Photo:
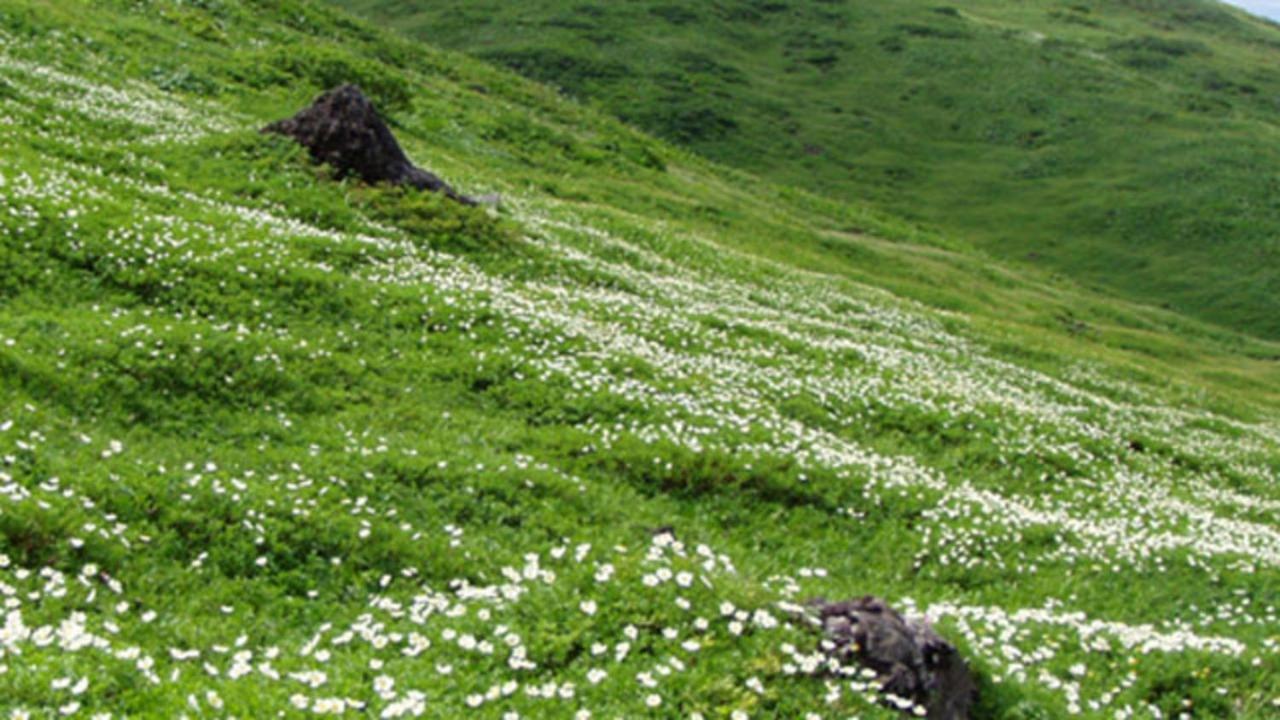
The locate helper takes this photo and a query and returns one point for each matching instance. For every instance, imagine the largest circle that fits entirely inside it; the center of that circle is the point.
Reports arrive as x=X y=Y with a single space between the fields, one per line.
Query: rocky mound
x=343 y=129
x=911 y=661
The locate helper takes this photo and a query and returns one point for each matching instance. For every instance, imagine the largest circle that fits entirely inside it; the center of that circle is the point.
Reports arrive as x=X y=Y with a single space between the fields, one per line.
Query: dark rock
x=343 y=129
x=909 y=659
x=664 y=530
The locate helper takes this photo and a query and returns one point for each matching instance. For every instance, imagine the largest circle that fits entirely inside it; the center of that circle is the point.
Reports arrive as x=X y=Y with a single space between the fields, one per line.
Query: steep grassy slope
x=271 y=443
x=1132 y=145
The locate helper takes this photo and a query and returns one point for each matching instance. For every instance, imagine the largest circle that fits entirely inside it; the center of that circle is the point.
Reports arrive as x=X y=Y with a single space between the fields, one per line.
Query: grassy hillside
x=275 y=444
x=1132 y=145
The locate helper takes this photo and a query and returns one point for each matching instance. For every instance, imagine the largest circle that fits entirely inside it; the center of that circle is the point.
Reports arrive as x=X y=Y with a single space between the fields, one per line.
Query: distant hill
x=1133 y=145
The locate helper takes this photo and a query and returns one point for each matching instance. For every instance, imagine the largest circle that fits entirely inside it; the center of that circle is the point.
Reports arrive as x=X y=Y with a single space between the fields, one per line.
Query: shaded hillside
x=1132 y=145
x=279 y=443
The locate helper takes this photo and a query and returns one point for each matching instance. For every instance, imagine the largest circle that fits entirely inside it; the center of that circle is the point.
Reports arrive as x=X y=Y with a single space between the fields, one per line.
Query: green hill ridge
x=1133 y=146
x=275 y=444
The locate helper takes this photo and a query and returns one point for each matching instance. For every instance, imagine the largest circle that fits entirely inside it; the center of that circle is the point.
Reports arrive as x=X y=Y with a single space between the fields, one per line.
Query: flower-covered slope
x=275 y=444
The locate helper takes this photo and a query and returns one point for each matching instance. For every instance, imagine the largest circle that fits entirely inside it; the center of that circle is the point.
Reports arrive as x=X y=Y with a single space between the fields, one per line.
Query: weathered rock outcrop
x=343 y=129
x=910 y=660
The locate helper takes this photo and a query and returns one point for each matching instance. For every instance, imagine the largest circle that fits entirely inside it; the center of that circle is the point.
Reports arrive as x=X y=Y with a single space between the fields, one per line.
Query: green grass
x=263 y=433
x=1129 y=145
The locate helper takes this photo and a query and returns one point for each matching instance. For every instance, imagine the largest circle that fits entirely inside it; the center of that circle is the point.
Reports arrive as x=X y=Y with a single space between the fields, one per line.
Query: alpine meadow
x=277 y=442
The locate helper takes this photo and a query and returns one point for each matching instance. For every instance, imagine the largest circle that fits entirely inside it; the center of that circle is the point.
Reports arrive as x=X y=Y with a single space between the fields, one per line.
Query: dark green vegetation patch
x=1134 y=146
